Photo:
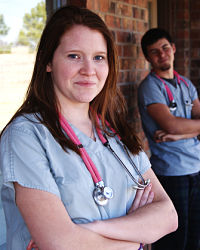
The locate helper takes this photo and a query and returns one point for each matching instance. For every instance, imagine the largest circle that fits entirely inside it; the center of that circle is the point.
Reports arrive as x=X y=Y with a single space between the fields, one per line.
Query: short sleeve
x=23 y=160
x=192 y=89
x=144 y=162
x=150 y=91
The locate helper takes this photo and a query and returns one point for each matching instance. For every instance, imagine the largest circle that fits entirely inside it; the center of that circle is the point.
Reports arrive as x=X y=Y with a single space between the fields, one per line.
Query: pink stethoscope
x=101 y=193
x=172 y=103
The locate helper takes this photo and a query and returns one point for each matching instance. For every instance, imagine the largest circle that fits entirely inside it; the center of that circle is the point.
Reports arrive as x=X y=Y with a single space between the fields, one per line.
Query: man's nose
x=87 y=67
x=161 y=53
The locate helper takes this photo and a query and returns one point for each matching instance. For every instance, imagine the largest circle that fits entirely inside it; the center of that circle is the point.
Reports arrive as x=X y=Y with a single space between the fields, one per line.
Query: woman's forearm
x=82 y=239
x=146 y=224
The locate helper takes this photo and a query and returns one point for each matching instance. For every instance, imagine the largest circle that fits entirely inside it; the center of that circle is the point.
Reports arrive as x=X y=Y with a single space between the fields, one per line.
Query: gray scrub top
x=31 y=156
x=175 y=158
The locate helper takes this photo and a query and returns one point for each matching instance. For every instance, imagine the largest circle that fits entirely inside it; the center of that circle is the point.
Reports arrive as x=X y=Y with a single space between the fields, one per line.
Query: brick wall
x=128 y=20
x=184 y=25
x=195 y=42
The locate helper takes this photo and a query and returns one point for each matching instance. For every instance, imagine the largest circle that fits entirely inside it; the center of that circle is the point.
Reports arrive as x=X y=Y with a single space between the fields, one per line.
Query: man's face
x=161 y=55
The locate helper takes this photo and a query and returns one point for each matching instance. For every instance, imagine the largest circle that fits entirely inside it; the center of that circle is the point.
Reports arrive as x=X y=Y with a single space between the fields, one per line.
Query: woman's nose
x=87 y=67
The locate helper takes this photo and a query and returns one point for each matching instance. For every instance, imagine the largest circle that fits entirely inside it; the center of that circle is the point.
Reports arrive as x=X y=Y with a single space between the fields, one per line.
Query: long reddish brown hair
x=40 y=97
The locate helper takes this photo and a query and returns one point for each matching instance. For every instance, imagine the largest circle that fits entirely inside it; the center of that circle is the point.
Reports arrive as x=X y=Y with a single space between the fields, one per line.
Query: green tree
x=33 y=24
x=3 y=28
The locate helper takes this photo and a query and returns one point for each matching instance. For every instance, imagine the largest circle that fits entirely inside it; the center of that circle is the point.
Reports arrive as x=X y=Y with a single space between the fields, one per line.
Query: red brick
x=141 y=26
x=120 y=77
x=194 y=72
x=104 y=5
x=90 y=4
x=136 y=12
x=112 y=8
x=113 y=21
x=127 y=24
x=130 y=1
x=134 y=24
x=195 y=20
x=120 y=50
x=123 y=10
x=182 y=5
x=96 y=5
x=183 y=34
x=182 y=14
x=144 y=15
x=142 y=3
x=130 y=51
x=195 y=53
x=126 y=11
x=194 y=34
x=194 y=44
x=195 y=5
x=133 y=76
x=127 y=64
x=124 y=37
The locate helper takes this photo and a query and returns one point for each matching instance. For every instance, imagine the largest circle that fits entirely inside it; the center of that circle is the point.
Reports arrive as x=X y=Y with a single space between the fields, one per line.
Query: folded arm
x=52 y=229
x=145 y=224
x=171 y=124
x=162 y=136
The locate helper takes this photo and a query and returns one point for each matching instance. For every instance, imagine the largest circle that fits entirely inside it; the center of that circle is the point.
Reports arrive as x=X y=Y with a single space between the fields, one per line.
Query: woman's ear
x=48 y=67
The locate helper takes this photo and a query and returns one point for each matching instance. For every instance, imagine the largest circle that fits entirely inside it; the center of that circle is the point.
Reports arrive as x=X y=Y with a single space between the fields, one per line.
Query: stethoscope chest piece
x=102 y=195
x=141 y=186
x=172 y=106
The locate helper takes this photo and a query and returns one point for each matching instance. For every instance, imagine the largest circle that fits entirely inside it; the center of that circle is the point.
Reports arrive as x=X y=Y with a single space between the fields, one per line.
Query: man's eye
x=99 y=58
x=154 y=52
x=73 y=56
x=166 y=48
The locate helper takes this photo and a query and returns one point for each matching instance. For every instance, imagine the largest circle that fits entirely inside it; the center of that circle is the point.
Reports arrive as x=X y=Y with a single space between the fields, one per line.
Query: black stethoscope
x=172 y=103
x=101 y=193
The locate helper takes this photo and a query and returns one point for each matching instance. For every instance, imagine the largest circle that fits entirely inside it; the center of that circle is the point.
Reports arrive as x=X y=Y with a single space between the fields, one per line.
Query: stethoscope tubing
x=84 y=155
x=169 y=93
x=89 y=163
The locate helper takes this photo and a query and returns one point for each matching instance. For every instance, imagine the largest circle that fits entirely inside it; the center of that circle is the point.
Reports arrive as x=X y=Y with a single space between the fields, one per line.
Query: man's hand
x=162 y=136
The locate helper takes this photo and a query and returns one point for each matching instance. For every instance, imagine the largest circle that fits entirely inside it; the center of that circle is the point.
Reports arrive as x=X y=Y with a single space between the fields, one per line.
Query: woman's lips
x=85 y=83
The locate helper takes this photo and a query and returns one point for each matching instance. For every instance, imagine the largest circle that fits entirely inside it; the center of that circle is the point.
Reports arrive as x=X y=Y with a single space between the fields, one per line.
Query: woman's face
x=79 y=67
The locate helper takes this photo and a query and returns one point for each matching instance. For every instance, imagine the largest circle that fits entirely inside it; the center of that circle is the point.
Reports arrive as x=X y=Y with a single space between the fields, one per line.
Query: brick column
x=181 y=35
x=195 y=43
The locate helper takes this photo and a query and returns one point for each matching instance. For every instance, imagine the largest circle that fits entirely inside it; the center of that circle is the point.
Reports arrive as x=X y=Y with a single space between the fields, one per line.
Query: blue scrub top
x=31 y=156
x=2 y=221
x=176 y=158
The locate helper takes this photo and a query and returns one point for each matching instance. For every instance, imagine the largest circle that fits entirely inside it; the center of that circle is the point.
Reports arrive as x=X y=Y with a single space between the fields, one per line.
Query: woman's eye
x=73 y=56
x=99 y=58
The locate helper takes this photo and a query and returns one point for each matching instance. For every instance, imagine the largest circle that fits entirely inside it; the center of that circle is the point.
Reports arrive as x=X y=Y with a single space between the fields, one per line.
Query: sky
x=13 y=12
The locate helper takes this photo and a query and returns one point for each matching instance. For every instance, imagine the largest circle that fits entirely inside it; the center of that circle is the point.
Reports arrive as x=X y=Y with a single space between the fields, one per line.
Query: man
x=170 y=113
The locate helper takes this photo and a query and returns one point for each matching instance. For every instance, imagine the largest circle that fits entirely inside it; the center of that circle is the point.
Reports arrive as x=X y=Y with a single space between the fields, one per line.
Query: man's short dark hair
x=152 y=36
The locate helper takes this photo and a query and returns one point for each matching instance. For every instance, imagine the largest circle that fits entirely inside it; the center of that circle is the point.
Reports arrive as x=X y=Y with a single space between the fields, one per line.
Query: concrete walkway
x=15 y=74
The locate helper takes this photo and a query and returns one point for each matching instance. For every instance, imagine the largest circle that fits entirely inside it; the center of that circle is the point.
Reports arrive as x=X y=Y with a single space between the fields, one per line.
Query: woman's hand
x=143 y=197
x=32 y=245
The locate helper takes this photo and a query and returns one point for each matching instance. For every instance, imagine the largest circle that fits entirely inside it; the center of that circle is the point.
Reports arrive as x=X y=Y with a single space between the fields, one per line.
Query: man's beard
x=165 y=67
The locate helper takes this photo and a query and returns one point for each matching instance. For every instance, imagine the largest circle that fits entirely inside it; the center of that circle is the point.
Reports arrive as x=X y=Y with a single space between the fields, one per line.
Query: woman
x=63 y=185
